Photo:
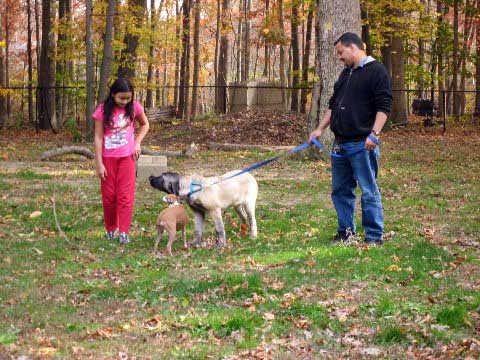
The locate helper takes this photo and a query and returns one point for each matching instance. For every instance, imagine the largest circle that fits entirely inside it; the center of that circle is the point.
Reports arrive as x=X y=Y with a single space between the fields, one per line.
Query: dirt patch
x=258 y=127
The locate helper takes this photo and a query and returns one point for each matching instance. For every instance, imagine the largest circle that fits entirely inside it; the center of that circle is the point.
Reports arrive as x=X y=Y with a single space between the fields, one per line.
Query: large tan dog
x=216 y=195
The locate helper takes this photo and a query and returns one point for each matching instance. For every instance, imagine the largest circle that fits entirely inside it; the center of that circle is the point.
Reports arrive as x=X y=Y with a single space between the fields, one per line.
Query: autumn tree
x=46 y=72
x=3 y=91
x=223 y=60
x=332 y=20
x=89 y=70
x=135 y=15
x=106 y=68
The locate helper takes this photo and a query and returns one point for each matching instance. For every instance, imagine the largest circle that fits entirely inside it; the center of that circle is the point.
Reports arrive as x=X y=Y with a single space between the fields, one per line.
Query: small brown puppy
x=171 y=220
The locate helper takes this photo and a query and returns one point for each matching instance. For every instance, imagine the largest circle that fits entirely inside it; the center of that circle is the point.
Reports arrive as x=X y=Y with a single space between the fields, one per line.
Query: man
x=357 y=112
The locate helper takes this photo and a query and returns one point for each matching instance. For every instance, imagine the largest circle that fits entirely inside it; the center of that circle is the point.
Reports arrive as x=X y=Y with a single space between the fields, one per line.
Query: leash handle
x=374 y=139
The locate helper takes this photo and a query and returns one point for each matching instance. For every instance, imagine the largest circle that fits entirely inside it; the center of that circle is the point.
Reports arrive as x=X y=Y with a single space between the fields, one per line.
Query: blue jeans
x=355 y=166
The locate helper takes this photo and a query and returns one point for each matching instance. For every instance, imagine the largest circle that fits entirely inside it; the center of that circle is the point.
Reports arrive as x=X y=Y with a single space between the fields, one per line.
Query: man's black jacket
x=357 y=96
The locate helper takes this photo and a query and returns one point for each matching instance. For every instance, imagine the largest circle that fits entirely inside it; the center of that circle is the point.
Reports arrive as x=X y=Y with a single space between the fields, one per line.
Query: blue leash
x=317 y=143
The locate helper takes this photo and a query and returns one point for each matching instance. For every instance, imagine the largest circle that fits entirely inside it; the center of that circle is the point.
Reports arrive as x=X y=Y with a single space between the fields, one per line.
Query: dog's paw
x=159 y=255
x=195 y=243
x=243 y=229
x=222 y=244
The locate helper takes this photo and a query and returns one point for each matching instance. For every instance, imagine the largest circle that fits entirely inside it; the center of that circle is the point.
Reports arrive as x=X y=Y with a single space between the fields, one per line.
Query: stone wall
x=258 y=94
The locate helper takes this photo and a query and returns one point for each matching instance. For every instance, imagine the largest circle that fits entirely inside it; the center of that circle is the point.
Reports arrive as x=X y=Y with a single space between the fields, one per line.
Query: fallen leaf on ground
x=35 y=214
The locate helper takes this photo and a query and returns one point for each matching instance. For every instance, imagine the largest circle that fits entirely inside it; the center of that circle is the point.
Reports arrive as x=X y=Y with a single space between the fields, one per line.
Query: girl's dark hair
x=120 y=85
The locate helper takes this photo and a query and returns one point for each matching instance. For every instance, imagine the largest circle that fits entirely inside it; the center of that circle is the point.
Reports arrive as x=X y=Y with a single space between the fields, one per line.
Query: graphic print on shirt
x=118 y=136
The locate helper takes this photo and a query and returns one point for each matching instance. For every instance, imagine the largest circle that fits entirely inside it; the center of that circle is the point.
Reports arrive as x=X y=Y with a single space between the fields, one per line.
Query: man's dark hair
x=349 y=38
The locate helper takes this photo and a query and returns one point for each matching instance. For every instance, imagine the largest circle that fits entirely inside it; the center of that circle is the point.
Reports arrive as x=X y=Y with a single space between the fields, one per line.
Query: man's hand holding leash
x=370 y=143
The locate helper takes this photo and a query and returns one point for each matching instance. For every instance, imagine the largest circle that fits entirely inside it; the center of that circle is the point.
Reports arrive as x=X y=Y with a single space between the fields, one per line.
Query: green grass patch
x=31 y=175
x=454 y=316
x=391 y=334
x=289 y=284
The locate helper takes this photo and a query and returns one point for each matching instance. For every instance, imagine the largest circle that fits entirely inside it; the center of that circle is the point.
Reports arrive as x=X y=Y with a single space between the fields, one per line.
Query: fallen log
x=240 y=147
x=79 y=150
x=68 y=150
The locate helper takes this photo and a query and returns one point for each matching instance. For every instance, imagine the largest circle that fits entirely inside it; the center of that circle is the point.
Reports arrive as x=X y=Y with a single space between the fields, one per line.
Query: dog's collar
x=174 y=204
x=192 y=187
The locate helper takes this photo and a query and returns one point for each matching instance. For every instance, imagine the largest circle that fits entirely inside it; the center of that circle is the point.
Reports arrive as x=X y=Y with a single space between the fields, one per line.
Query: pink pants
x=118 y=192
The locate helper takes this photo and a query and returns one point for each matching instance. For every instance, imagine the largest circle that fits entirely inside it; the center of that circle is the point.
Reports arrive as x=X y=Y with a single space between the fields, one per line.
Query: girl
x=116 y=149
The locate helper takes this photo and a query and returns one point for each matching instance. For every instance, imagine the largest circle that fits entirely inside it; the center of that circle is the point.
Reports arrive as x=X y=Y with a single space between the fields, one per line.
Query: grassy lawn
x=288 y=294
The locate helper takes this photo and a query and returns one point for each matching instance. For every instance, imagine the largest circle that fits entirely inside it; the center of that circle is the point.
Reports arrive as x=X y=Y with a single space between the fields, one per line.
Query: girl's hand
x=101 y=172
x=138 y=151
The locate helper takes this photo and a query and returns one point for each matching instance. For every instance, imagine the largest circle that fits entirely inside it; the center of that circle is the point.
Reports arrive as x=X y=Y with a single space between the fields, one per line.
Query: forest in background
x=57 y=58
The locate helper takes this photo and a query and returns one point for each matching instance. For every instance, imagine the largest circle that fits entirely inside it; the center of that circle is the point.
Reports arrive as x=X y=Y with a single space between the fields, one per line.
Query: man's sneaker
x=345 y=237
x=340 y=237
x=373 y=242
x=123 y=238
x=111 y=235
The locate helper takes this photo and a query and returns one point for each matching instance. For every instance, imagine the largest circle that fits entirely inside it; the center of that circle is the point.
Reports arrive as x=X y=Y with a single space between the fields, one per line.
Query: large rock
x=150 y=165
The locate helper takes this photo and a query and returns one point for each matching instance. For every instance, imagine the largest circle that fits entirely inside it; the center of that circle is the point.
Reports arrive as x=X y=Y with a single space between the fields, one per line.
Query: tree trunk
x=306 y=56
x=184 y=65
x=151 y=53
x=106 y=68
x=177 y=58
x=399 y=109
x=439 y=50
x=7 y=60
x=476 y=112
x=238 y=46
x=456 y=98
x=46 y=71
x=196 y=56
x=89 y=70
x=128 y=57
x=61 y=61
x=217 y=40
x=165 y=89
x=295 y=57
x=30 y=64
x=223 y=61
x=37 y=34
x=332 y=20
x=158 y=93
x=266 y=68
x=467 y=41
x=68 y=62
x=366 y=27
x=386 y=51
x=282 y=52
x=3 y=98
x=246 y=41
x=421 y=61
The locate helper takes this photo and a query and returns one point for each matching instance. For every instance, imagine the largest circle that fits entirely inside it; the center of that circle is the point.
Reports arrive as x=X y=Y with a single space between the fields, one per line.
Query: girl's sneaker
x=111 y=235
x=123 y=238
